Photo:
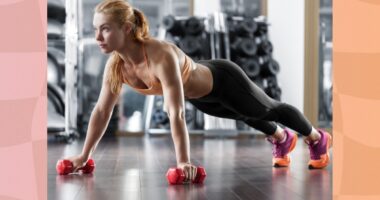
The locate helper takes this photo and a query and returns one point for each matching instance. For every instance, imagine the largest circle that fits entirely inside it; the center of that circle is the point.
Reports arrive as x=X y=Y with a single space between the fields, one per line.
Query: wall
x=203 y=8
x=287 y=35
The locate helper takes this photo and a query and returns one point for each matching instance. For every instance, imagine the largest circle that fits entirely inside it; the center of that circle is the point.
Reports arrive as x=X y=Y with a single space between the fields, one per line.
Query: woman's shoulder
x=159 y=44
x=161 y=48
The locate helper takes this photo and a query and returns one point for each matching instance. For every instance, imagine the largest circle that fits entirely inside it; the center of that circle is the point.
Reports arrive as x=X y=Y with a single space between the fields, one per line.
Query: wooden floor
x=135 y=168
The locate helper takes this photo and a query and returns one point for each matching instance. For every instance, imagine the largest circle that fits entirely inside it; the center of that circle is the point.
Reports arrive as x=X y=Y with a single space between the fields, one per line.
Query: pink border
x=23 y=106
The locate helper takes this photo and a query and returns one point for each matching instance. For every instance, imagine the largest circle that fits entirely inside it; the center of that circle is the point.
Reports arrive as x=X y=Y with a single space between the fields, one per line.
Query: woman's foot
x=319 y=151
x=281 y=149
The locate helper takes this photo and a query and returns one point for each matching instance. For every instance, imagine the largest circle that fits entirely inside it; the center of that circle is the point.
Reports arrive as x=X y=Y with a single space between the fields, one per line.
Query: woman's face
x=108 y=34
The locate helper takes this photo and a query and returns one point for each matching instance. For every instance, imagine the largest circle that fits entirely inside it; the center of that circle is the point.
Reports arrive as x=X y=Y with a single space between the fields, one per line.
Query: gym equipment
x=56 y=109
x=245 y=27
x=264 y=59
x=56 y=66
x=265 y=48
x=262 y=29
x=260 y=39
x=271 y=81
x=56 y=98
x=189 y=113
x=65 y=167
x=160 y=117
x=244 y=46
x=56 y=10
x=173 y=25
x=191 y=45
x=270 y=68
x=250 y=66
x=56 y=114
x=176 y=176
x=55 y=30
x=193 y=26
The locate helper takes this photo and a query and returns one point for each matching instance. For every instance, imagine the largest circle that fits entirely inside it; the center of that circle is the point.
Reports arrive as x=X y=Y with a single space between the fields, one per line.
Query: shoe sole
x=325 y=158
x=284 y=162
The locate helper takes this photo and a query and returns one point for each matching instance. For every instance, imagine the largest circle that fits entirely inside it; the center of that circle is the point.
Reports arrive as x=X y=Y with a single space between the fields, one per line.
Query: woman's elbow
x=176 y=114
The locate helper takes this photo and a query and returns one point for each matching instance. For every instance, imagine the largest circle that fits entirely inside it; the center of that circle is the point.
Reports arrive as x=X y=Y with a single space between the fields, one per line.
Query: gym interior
x=285 y=47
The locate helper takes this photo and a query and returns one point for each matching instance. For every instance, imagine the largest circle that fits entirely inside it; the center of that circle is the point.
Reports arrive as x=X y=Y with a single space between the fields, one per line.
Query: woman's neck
x=131 y=51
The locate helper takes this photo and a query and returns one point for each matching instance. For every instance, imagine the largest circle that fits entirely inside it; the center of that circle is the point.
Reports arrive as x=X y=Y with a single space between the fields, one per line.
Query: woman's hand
x=78 y=161
x=189 y=170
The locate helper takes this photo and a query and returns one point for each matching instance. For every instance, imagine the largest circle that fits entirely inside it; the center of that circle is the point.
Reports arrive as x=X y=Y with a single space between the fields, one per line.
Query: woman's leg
x=236 y=92
x=218 y=110
x=239 y=94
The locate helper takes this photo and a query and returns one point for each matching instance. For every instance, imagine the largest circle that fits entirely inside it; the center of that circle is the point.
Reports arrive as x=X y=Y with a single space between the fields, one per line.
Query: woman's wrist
x=183 y=162
x=85 y=156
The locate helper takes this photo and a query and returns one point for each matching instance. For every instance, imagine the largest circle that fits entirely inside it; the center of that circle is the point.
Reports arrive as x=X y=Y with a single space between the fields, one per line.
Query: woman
x=216 y=87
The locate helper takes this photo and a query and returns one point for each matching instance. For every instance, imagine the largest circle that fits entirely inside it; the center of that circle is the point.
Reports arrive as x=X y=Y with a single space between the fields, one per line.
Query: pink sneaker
x=280 y=151
x=319 y=152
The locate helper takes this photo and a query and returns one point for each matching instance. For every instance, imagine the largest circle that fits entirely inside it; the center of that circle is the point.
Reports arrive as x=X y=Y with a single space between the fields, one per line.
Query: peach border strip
x=356 y=99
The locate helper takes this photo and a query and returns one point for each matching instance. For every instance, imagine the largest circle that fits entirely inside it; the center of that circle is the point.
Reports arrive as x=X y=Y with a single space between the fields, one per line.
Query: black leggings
x=235 y=96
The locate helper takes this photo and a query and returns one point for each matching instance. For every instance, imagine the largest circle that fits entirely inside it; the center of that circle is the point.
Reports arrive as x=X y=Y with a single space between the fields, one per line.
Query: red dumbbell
x=177 y=176
x=66 y=167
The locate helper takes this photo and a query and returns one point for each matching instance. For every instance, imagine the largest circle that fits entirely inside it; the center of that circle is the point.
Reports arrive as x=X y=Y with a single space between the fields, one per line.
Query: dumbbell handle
x=64 y=167
x=177 y=176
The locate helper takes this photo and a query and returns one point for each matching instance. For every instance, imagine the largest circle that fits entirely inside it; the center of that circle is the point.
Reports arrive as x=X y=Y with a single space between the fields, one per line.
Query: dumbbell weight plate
x=175 y=176
x=271 y=81
x=193 y=26
x=262 y=29
x=201 y=175
x=249 y=47
x=265 y=48
x=172 y=25
x=251 y=67
x=245 y=46
x=246 y=27
x=270 y=68
x=190 y=44
x=160 y=117
x=56 y=98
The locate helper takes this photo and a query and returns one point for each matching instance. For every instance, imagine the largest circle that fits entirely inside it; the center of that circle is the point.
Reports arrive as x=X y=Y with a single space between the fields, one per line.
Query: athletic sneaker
x=319 y=151
x=280 y=151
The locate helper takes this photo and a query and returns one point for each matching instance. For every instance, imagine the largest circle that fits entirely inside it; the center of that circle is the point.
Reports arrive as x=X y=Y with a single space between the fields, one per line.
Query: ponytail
x=115 y=74
x=141 y=25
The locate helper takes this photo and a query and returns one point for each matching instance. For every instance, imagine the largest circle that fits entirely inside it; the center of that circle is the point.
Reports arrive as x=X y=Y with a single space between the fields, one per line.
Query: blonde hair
x=122 y=12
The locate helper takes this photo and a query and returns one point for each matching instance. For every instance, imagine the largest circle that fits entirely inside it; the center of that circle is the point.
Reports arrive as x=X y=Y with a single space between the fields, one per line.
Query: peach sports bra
x=155 y=87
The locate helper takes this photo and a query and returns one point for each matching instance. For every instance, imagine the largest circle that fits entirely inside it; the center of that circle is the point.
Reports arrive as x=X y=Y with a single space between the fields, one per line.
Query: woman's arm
x=170 y=77
x=101 y=114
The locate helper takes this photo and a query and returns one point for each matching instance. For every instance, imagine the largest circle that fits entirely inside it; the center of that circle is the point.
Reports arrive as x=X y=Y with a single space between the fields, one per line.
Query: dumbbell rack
x=219 y=41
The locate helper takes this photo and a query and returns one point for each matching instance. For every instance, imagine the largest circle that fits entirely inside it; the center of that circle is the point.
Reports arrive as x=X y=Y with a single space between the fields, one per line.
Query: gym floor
x=135 y=168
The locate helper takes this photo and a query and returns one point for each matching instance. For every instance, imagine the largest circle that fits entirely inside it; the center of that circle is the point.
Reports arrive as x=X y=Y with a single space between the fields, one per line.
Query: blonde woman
x=216 y=87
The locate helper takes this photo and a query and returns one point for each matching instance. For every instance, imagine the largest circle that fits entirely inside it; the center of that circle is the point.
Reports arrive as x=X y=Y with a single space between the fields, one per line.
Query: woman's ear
x=127 y=28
